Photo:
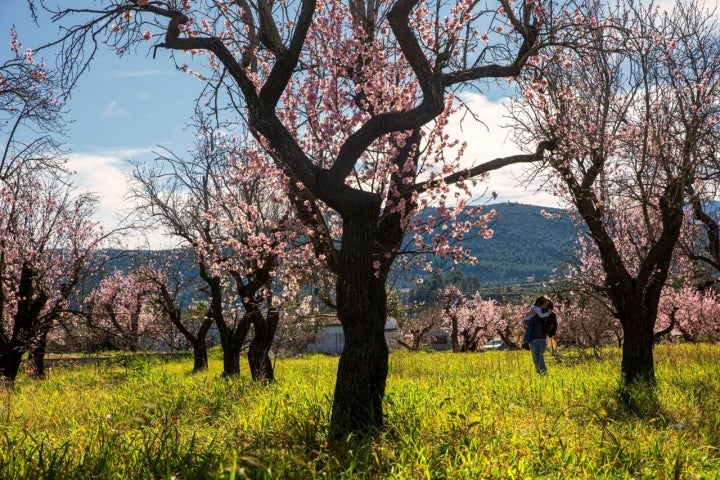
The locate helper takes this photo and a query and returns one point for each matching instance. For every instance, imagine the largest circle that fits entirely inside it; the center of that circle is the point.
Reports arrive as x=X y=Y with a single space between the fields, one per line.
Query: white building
x=331 y=339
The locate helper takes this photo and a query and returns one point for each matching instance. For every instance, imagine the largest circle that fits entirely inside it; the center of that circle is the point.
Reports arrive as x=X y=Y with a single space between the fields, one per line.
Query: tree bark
x=9 y=364
x=259 y=361
x=638 y=321
x=362 y=372
x=25 y=320
x=231 y=338
x=200 y=357
x=36 y=354
x=362 y=311
x=231 y=341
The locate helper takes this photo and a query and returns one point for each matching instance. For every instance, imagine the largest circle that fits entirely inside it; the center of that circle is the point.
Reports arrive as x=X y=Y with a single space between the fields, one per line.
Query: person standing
x=535 y=333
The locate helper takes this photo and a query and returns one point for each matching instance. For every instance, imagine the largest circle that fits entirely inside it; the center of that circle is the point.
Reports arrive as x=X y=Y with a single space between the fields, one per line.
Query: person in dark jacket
x=535 y=333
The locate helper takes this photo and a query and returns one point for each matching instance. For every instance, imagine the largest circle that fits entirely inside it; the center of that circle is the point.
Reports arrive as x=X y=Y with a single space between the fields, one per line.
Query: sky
x=124 y=108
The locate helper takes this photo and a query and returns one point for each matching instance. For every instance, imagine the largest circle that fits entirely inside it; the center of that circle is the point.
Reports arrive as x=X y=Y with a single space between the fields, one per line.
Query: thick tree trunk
x=30 y=304
x=259 y=361
x=362 y=372
x=231 y=341
x=231 y=357
x=200 y=356
x=362 y=310
x=638 y=321
x=10 y=359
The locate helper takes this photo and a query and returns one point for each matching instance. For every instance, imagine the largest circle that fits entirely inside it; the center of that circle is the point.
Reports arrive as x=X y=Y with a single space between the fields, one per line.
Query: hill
x=526 y=245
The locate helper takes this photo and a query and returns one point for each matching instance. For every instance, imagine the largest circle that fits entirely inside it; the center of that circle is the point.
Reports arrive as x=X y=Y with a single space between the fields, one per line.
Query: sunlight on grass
x=455 y=416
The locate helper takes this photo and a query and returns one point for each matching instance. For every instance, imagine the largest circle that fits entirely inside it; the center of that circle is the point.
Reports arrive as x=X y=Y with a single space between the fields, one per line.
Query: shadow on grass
x=639 y=400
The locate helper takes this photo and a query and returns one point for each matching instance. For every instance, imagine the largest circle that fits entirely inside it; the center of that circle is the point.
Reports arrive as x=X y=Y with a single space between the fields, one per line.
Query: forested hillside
x=525 y=245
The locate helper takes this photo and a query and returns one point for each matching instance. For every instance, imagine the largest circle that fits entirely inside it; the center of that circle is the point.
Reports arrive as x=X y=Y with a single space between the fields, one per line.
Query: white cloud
x=114 y=110
x=489 y=140
x=104 y=174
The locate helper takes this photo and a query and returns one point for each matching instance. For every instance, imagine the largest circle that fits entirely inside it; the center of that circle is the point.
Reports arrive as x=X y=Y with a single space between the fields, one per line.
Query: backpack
x=550 y=325
x=526 y=336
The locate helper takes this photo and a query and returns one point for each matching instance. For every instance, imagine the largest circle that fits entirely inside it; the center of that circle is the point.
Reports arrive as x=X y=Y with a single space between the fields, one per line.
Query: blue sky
x=125 y=107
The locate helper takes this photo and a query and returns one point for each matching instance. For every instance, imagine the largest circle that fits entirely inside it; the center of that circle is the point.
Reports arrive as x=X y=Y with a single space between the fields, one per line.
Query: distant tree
x=226 y=203
x=629 y=99
x=47 y=243
x=692 y=312
x=418 y=324
x=47 y=235
x=119 y=310
x=168 y=282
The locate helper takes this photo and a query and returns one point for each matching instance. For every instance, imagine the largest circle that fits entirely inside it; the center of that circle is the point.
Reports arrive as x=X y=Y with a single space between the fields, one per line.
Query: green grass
x=449 y=416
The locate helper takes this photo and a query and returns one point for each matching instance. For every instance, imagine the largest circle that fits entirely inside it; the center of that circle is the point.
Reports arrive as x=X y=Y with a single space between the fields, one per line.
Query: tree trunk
x=638 y=321
x=231 y=341
x=200 y=356
x=231 y=357
x=30 y=304
x=36 y=355
x=10 y=359
x=454 y=333
x=259 y=361
x=362 y=311
x=362 y=373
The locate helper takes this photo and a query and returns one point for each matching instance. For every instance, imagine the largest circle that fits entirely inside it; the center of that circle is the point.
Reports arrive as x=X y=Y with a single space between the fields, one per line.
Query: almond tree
x=226 y=203
x=694 y=313
x=376 y=73
x=168 y=282
x=48 y=239
x=47 y=243
x=630 y=100
x=262 y=250
x=118 y=310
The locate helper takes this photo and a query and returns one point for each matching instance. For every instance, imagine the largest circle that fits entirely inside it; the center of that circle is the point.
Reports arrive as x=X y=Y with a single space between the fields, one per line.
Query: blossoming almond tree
x=692 y=312
x=168 y=282
x=226 y=203
x=376 y=73
x=47 y=243
x=119 y=310
x=631 y=98
x=47 y=236
x=263 y=249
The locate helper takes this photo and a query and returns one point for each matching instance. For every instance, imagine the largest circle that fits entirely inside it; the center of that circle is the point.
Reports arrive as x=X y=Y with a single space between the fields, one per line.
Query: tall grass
x=449 y=416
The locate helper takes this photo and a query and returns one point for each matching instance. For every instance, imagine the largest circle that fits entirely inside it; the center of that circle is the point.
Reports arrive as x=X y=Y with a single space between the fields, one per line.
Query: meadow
x=449 y=416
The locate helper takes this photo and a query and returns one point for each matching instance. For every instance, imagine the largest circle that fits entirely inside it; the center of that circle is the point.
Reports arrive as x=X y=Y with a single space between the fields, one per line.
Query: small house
x=331 y=339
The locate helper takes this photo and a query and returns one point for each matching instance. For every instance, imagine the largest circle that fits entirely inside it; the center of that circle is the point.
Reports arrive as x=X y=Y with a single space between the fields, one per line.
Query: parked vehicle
x=495 y=344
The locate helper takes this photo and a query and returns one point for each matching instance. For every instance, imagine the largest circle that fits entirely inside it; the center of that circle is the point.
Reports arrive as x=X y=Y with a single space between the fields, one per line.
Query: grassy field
x=449 y=416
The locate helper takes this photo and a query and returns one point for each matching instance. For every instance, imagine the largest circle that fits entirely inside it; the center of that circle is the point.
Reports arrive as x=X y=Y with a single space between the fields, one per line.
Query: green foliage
x=454 y=416
x=525 y=244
